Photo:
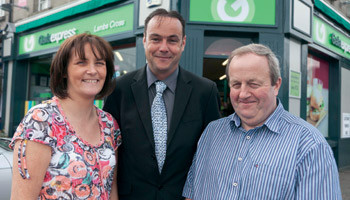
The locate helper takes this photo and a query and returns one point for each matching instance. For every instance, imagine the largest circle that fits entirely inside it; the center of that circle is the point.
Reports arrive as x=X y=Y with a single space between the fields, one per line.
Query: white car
x=5 y=169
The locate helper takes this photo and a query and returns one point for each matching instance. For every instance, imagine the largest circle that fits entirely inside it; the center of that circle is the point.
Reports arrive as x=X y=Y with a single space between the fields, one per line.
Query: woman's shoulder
x=108 y=122
x=42 y=111
x=106 y=116
x=37 y=124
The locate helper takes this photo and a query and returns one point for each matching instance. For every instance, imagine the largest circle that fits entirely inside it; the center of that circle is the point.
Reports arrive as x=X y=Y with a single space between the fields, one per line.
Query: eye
x=236 y=85
x=155 y=39
x=100 y=63
x=80 y=62
x=254 y=85
x=173 y=40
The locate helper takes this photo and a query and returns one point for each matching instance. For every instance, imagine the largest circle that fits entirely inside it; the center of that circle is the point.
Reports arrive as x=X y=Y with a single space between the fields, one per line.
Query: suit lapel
x=140 y=92
x=182 y=96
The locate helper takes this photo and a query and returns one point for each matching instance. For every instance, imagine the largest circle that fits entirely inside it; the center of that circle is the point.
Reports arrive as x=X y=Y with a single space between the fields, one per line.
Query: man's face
x=164 y=44
x=252 y=95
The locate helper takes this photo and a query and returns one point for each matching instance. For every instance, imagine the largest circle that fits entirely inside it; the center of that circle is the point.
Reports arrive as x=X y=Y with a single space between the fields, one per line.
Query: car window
x=5 y=144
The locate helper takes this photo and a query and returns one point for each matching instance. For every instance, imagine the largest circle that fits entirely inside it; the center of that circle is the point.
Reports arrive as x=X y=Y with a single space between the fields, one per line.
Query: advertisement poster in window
x=318 y=93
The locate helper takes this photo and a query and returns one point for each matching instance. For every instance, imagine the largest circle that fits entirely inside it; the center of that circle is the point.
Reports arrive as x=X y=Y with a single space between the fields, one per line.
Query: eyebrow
x=157 y=35
x=78 y=58
x=248 y=81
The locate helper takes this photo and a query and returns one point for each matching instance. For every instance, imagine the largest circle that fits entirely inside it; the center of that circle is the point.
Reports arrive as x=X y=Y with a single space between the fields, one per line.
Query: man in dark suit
x=191 y=102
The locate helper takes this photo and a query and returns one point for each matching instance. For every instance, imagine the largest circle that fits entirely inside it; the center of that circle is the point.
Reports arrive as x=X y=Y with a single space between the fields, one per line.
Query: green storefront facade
x=312 y=46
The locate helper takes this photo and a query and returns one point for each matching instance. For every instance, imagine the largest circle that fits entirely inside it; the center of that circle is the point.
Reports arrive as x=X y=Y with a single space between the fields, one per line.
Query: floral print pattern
x=77 y=170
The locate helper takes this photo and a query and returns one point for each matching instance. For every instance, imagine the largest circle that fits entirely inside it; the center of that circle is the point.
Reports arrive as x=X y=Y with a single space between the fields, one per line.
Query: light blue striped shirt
x=285 y=158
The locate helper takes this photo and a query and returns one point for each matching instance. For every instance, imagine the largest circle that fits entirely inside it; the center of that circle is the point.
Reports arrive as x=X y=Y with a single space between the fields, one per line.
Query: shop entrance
x=217 y=50
x=214 y=69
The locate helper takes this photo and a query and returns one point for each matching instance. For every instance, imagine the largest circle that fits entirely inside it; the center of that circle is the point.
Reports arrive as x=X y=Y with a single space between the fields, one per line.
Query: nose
x=244 y=92
x=92 y=69
x=164 y=46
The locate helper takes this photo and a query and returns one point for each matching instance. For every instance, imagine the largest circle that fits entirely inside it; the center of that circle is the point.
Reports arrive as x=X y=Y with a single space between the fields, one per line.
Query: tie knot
x=160 y=87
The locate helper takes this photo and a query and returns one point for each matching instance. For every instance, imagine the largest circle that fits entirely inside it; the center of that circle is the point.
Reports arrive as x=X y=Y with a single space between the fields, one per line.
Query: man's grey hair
x=259 y=50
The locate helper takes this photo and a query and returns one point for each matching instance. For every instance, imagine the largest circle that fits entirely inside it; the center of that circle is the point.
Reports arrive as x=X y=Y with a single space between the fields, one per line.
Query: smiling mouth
x=163 y=56
x=90 y=81
x=246 y=102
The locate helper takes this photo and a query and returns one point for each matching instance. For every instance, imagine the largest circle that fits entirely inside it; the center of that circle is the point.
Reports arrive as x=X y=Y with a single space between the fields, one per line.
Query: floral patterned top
x=77 y=170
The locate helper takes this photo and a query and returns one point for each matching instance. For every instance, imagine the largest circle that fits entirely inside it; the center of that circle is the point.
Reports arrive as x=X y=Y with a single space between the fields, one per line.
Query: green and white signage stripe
x=104 y=24
x=327 y=36
x=234 y=11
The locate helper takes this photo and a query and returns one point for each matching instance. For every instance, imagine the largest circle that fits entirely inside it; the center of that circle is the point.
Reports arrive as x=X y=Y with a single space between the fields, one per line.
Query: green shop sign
x=233 y=11
x=107 y=23
x=329 y=37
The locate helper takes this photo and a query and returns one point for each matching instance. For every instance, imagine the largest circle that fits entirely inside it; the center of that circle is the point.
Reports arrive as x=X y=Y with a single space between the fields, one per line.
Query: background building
x=310 y=38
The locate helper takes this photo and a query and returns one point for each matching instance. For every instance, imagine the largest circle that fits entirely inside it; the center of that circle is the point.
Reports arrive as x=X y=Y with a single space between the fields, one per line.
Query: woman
x=66 y=147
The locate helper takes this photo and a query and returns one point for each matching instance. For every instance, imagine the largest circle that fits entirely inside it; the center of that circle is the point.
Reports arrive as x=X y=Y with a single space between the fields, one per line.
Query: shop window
x=318 y=93
x=39 y=81
x=124 y=59
x=44 y=4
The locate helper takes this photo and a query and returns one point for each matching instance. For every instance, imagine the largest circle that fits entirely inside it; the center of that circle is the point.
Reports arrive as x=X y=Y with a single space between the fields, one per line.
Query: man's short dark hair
x=161 y=12
x=75 y=44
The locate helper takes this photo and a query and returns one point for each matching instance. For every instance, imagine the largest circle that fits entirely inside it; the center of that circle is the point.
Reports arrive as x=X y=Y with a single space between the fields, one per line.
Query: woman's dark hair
x=75 y=44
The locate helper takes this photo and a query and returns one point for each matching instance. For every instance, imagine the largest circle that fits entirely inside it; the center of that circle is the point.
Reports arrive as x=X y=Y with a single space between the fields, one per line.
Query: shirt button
x=240 y=159
x=235 y=184
x=248 y=137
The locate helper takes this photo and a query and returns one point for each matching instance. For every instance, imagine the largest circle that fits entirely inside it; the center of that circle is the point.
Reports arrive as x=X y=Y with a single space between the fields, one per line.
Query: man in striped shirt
x=261 y=151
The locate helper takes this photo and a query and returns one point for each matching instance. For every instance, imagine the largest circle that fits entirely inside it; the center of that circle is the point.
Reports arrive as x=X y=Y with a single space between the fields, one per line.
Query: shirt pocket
x=264 y=182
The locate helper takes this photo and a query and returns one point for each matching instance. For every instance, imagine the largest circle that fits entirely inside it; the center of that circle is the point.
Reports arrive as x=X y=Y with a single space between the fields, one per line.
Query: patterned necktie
x=159 y=123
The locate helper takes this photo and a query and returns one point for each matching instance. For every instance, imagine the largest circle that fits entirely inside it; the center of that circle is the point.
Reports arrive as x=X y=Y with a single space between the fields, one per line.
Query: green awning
x=90 y=5
x=332 y=14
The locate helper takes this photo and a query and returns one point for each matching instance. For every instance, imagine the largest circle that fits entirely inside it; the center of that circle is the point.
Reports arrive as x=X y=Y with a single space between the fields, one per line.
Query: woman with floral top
x=66 y=148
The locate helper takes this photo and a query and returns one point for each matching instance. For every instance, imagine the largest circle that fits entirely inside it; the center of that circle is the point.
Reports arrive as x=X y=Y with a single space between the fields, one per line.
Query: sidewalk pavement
x=344 y=178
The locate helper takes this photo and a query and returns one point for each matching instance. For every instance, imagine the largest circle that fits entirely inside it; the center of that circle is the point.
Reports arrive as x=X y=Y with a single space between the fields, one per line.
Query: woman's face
x=86 y=77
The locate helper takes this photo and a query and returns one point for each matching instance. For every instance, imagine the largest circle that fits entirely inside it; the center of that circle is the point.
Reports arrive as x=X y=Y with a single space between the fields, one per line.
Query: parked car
x=5 y=169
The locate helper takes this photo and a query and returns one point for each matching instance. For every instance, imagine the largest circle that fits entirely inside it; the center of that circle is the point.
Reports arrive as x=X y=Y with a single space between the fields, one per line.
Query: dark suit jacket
x=196 y=104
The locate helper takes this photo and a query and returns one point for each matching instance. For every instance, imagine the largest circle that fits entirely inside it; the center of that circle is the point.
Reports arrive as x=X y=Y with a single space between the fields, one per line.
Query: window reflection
x=124 y=60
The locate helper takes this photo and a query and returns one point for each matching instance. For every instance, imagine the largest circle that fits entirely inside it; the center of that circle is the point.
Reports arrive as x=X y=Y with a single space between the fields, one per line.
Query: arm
x=114 y=192
x=112 y=103
x=37 y=166
x=188 y=188
x=212 y=109
x=317 y=175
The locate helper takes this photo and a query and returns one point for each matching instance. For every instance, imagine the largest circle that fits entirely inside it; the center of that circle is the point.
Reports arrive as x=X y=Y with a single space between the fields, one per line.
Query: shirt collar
x=170 y=81
x=272 y=121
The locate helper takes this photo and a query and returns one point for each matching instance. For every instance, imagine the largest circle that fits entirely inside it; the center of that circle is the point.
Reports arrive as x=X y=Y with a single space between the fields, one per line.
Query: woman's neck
x=78 y=109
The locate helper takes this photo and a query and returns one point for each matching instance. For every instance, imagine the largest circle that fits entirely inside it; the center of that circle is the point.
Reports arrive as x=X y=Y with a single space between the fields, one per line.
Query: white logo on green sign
x=29 y=43
x=233 y=10
x=320 y=32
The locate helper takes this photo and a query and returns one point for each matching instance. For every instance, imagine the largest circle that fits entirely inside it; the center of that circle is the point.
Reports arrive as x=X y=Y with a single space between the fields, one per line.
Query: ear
x=144 y=40
x=183 y=42
x=277 y=86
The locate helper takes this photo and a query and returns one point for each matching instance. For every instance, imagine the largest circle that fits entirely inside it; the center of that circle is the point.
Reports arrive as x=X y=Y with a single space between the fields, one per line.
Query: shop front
x=313 y=54
x=37 y=48
x=314 y=75
x=214 y=31
x=328 y=70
